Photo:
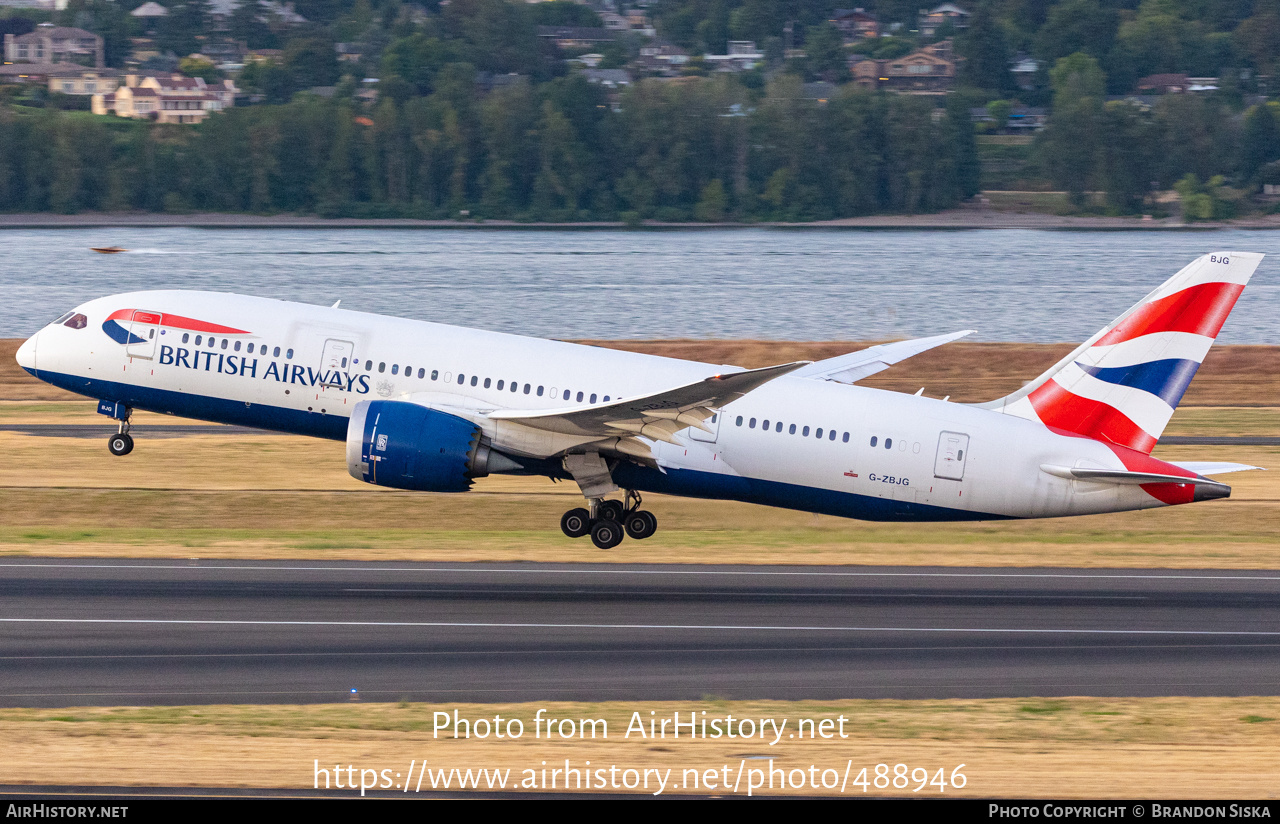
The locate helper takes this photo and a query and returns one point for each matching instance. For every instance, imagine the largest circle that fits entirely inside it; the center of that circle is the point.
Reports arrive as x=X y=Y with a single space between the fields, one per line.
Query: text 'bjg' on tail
x=1122 y=385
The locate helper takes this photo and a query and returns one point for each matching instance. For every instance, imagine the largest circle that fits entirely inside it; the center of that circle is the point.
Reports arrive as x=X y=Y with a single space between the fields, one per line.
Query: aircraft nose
x=27 y=354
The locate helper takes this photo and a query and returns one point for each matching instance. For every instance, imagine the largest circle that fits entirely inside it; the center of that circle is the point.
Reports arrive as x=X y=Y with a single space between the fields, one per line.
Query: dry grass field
x=1203 y=748
x=269 y=496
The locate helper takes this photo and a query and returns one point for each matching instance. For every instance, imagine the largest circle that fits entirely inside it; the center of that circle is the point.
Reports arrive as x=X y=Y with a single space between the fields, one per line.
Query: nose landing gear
x=121 y=443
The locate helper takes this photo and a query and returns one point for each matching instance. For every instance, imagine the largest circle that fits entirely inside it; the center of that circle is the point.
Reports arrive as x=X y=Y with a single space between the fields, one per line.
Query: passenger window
x=500 y=385
x=514 y=386
x=527 y=387
x=888 y=443
x=606 y=398
x=539 y=391
x=751 y=424
x=960 y=455
x=462 y=379
x=579 y=397
x=845 y=439
x=874 y=440
x=818 y=434
x=408 y=371
x=187 y=336
x=593 y=397
x=422 y=373
x=289 y=354
x=474 y=380
x=382 y=367
x=765 y=425
x=435 y=373
x=395 y=369
x=274 y=354
x=224 y=343
x=566 y=394
x=344 y=360
x=201 y=337
x=778 y=428
x=368 y=365
x=212 y=342
x=832 y=435
x=791 y=430
x=486 y=383
x=805 y=432
x=739 y=423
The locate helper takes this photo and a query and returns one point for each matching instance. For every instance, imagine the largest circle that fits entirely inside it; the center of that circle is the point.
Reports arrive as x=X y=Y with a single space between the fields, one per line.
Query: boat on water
x=108 y=250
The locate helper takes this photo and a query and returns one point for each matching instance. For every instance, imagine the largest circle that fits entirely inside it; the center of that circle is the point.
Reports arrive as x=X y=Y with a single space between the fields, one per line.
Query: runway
x=111 y=632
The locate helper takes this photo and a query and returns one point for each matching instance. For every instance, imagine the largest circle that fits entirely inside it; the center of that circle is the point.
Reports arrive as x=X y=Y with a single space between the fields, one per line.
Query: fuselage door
x=952 y=449
x=713 y=423
x=335 y=361
x=143 y=329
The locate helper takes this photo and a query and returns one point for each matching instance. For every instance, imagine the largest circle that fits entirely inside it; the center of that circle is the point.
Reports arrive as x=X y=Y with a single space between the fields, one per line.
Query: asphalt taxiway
x=111 y=632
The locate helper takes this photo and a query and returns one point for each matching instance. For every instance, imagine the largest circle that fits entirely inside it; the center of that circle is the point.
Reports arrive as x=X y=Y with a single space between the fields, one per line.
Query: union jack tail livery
x=1122 y=385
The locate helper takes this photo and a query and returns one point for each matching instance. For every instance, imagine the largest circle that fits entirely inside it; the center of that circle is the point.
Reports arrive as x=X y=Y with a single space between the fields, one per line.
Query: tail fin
x=1123 y=384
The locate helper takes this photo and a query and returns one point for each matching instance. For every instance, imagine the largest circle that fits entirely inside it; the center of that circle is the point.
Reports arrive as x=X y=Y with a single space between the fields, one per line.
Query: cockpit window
x=77 y=321
x=63 y=318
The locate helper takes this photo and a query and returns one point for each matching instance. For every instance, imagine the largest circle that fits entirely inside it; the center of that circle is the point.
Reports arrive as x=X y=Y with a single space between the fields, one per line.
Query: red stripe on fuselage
x=1200 y=310
x=1059 y=409
x=176 y=322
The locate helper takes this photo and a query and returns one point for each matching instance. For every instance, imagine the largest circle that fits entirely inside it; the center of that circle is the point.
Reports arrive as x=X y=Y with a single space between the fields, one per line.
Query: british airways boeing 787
x=423 y=406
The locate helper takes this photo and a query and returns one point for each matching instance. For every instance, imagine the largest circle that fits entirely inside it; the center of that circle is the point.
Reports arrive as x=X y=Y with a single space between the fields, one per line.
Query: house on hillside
x=922 y=72
x=55 y=44
x=931 y=21
x=855 y=24
x=166 y=99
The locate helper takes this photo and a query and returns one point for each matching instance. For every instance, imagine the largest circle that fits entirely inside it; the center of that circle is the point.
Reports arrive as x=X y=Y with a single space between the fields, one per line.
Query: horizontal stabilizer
x=658 y=416
x=1122 y=476
x=855 y=366
x=1212 y=467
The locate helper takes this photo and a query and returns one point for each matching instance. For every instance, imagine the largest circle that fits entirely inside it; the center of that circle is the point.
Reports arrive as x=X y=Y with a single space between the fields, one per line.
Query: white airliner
x=424 y=406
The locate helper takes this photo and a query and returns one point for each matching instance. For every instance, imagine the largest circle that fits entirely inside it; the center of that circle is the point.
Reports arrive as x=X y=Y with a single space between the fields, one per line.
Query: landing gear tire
x=576 y=522
x=611 y=511
x=606 y=534
x=641 y=524
x=120 y=444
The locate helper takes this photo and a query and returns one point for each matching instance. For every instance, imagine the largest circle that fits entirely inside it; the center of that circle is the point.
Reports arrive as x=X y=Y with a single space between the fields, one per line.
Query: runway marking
x=608 y=651
x=210 y=566
x=724 y=627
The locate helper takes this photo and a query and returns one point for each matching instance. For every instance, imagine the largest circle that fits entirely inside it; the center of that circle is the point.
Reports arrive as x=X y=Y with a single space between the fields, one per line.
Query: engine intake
x=407 y=446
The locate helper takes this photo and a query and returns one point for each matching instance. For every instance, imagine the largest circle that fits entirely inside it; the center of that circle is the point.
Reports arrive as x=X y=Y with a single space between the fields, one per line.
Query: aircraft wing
x=658 y=416
x=855 y=366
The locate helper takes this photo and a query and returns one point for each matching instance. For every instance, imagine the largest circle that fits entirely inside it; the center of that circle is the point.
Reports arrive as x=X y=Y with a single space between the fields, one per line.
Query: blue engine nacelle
x=407 y=446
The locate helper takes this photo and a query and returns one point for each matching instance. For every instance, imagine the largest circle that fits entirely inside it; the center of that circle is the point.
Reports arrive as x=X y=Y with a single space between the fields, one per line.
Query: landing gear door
x=143 y=329
x=335 y=360
x=713 y=423
x=952 y=448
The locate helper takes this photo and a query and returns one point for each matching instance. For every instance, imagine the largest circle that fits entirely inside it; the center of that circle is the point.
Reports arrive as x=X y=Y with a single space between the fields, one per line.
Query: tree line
x=699 y=149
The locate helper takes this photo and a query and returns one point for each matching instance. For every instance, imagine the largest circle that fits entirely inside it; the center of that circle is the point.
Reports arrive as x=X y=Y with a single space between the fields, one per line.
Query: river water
x=1008 y=285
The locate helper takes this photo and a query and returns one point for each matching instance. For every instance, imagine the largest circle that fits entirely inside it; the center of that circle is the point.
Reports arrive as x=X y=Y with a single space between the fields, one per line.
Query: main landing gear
x=611 y=520
x=121 y=443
